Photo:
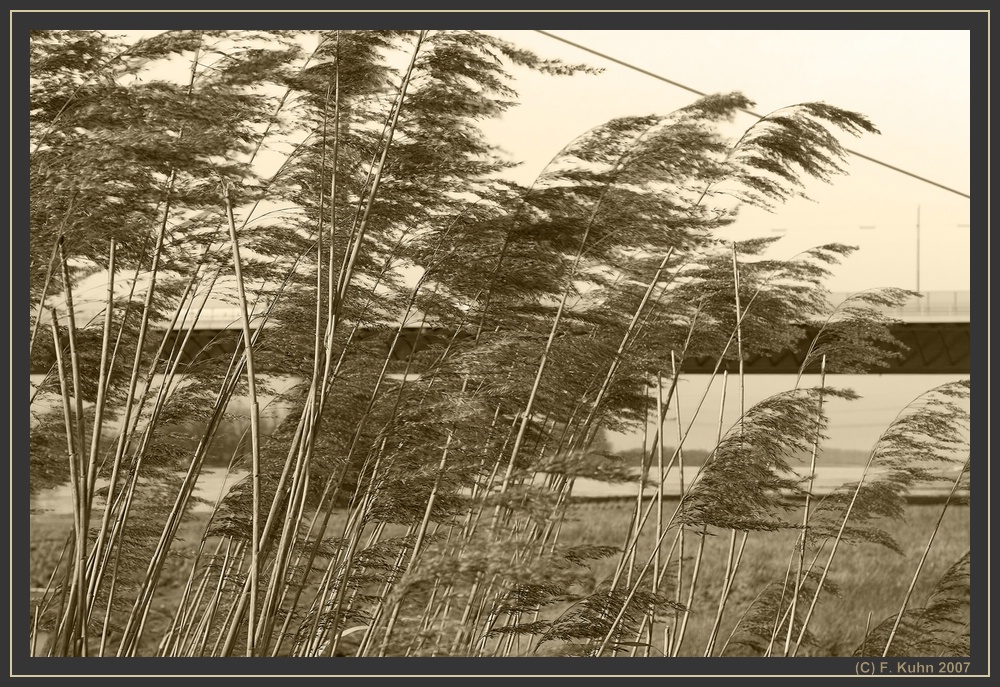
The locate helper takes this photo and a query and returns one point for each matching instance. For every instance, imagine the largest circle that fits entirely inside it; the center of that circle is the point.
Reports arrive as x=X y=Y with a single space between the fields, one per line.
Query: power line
x=658 y=77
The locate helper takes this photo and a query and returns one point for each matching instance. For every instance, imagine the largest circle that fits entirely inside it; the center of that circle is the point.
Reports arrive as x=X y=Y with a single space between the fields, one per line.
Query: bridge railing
x=942 y=306
x=932 y=306
x=945 y=306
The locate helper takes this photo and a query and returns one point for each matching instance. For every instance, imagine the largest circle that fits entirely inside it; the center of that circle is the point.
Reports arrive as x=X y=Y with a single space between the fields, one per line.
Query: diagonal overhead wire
x=664 y=79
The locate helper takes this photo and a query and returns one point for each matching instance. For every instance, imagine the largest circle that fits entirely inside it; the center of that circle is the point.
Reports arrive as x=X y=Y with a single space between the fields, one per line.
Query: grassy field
x=870 y=579
x=456 y=407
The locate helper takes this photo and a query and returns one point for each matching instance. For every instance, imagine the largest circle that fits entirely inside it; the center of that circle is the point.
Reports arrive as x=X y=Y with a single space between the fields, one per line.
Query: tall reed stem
x=923 y=557
x=70 y=633
x=254 y=420
x=732 y=562
x=804 y=538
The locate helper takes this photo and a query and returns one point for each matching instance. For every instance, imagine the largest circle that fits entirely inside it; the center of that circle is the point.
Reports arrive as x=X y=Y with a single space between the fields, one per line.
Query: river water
x=854 y=428
x=216 y=481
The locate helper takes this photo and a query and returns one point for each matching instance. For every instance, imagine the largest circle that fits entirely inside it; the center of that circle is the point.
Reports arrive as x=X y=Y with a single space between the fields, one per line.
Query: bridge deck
x=931 y=306
x=935 y=329
x=931 y=348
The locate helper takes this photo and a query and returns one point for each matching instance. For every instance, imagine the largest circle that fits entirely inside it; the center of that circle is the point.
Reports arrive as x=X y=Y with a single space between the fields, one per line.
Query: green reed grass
x=433 y=513
x=869 y=580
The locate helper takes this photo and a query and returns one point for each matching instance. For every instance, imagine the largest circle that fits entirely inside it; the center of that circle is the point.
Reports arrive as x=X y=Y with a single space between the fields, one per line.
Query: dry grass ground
x=871 y=579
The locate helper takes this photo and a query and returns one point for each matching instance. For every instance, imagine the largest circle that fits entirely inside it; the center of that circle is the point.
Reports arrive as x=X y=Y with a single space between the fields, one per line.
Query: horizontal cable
x=749 y=112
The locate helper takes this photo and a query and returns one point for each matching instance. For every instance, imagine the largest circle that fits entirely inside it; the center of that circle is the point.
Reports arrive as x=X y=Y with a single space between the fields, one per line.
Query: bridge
x=934 y=328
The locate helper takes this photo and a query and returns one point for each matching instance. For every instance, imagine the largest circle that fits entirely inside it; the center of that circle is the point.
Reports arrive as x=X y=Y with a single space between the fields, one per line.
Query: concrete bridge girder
x=932 y=348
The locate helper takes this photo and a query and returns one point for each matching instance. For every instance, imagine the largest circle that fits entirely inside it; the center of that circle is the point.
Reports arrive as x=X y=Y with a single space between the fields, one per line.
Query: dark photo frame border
x=604 y=668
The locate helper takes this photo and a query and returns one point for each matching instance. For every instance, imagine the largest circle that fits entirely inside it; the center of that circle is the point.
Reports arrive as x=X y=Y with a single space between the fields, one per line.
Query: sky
x=913 y=85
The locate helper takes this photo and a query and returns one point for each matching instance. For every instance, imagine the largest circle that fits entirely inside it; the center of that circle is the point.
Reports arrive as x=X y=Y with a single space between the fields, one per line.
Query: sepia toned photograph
x=644 y=343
